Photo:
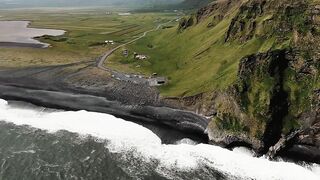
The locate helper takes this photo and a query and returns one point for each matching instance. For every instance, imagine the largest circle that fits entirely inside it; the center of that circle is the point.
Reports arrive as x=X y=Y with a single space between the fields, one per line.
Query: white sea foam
x=3 y=104
x=243 y=151
x=126 y=137
x=186 y=141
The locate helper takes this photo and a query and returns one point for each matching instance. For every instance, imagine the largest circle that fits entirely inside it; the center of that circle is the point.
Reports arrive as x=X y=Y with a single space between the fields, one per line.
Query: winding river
x=38 y=143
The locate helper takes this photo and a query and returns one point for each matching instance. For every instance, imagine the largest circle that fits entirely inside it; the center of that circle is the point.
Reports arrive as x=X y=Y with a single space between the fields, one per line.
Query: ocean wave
x=132 y=141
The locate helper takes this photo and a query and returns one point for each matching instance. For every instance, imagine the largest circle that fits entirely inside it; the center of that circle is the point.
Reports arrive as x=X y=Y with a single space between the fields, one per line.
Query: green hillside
x=196 y=59
x=253 y=62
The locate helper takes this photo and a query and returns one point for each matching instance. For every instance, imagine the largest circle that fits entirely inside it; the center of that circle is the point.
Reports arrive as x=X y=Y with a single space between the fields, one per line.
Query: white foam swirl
x=127 y=137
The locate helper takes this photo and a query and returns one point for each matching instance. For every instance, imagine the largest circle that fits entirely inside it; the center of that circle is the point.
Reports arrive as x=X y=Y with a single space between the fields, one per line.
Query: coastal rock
x=306 y=145
x=276 y=91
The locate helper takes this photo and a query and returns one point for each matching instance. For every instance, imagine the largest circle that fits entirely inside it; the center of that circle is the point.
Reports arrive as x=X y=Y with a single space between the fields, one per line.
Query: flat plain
x=86 y=33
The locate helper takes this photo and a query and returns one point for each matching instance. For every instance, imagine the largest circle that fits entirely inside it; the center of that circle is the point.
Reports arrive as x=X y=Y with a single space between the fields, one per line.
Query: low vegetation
x=87 y=30
x=260 y=57
x=202 y=53
x=195 y=60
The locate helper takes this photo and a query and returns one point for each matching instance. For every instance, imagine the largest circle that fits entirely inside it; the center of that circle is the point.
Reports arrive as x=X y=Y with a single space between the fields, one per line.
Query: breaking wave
x=141 y=154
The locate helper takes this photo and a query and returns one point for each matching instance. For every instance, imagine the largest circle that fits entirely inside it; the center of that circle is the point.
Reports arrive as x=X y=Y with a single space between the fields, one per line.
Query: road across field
x=137 y=79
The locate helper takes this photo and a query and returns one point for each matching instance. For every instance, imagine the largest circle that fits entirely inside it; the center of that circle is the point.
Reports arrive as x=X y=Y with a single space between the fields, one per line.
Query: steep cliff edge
x=251 y=67
x=277 y=89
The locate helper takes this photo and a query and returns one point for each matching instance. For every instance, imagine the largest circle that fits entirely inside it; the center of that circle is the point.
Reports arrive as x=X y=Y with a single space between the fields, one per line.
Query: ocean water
x=47 y=144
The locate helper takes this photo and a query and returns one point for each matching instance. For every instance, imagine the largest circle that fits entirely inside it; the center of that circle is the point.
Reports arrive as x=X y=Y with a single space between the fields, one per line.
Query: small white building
x=141 y=57
x=109 y=42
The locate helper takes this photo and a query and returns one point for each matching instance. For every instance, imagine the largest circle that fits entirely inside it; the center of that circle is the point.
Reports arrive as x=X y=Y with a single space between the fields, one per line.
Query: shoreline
x=186 y=123
x=23 y=45
x=183 y=121
x=82 y=86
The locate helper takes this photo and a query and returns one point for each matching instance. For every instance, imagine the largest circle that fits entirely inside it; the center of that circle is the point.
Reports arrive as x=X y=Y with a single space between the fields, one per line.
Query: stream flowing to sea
x=39 y=143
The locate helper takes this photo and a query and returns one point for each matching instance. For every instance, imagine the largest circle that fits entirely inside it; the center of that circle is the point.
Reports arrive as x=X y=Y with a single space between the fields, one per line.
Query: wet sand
x=15 y=44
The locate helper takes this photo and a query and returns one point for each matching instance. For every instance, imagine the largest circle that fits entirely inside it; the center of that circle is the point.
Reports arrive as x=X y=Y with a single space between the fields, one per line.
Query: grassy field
x=87 y=29
x=195 y=60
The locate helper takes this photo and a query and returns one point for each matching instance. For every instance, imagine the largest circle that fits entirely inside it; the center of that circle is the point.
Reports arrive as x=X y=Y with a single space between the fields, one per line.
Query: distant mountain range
x=81 y=3
x=152 y=4
x=191 y=4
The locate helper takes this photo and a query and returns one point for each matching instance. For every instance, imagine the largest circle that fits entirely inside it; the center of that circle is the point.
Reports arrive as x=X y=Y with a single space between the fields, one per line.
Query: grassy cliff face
x=195 y=58
x=276 y=89
x=271 y=92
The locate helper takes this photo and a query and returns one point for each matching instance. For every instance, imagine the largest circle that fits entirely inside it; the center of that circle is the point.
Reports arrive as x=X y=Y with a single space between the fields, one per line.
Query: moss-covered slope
x=253 y=65
x=276 y=91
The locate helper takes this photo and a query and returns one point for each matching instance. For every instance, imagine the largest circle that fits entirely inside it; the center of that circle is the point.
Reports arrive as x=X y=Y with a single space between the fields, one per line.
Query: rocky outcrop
x=300 y=145
x=202 y=103
x=306 y=144
x=270 y=101
x=274 y=104
x=216 y=11
x=265 y=19
x=185 y=23
x=229 y=127
x=257 y=105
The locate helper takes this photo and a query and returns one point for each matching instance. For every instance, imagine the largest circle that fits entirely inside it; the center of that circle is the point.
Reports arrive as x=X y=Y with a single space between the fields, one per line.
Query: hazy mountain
x=81 y=3
x=191 y=4
x=182 y=4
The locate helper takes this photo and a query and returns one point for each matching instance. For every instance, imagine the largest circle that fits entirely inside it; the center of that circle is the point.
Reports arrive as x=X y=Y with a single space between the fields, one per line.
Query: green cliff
x=252 y=66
